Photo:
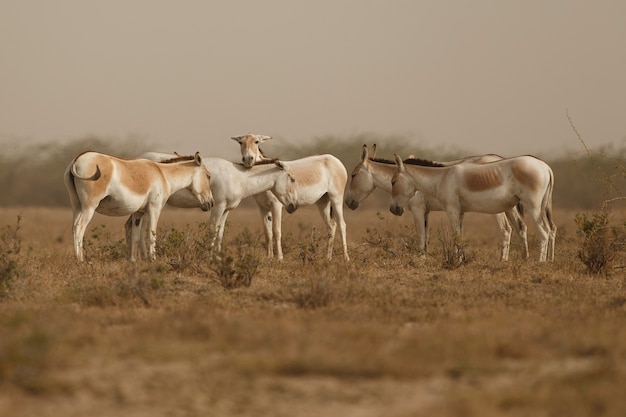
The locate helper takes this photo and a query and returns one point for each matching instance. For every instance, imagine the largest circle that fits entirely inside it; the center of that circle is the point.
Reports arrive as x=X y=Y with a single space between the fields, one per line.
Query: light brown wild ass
x=139 y=187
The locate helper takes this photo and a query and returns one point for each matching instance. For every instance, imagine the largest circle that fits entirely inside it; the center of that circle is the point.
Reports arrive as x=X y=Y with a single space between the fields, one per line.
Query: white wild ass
x=117 y=187
x=231 y=183
x=321 y=181
x=483 y=188
x=372 y=173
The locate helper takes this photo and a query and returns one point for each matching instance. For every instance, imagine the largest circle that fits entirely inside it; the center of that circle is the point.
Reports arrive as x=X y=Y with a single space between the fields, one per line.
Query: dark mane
x=383 y=161
x=422 y=162
x=262 y=162
x=266 y=161
x=410 y=161
x=179 y=159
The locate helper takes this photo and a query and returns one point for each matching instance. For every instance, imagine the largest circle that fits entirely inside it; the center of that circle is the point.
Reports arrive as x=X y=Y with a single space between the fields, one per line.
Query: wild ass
x=483 y=188
x=231 y=183
x=321 y=181
x=373 y=172
x=118 y=187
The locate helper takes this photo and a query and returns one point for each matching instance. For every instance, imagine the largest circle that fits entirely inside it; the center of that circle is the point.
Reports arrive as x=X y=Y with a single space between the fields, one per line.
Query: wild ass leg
x=456 y=221
x=135 y=234
x=543 y=229
x=505 y=229
x=324 y=207
x=426 y=237
x=266 y=217
x=268 y=220
x=217 y=219
x=277 y=225
x=153 y=221
x=82 y=217
x=337 y=206
x=515 y=219
x=551 y=227
x=420 y=220
x=128 y=228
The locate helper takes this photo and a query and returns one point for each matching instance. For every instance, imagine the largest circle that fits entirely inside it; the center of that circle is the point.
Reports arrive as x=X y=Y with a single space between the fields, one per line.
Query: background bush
x=31 y=174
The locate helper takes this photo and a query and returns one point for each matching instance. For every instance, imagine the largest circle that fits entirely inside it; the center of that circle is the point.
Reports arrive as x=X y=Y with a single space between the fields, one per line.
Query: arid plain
x=390 y=333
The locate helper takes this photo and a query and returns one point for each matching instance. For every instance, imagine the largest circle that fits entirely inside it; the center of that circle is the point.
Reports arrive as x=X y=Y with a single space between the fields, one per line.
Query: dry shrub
x=235 y=271
x=453 y=254
x=189 y=249
x=310 y=249
x=601 y=242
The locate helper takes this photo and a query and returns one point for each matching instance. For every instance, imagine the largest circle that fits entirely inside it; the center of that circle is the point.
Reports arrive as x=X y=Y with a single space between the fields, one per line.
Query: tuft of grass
x=313 y=292
x=101 y=245
x=25 y=352
x=10 y=246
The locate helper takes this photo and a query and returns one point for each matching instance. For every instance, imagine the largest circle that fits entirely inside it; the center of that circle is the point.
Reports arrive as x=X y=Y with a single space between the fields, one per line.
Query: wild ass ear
x=263 y=138
x=373 y=151
x=237 y=138
x=399 y=162
x=364 y=153
x=198 y=158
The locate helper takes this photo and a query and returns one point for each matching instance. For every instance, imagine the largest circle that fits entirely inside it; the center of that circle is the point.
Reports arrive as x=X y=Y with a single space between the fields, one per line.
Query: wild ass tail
x=93 y=177
x=70 y=176
x=547 y=201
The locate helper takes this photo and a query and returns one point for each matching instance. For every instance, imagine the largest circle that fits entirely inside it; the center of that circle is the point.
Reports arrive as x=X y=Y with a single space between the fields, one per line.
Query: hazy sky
x=489 y=76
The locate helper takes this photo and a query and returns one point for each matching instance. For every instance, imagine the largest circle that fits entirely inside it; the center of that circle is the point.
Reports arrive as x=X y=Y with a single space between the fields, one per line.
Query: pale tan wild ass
x=372 y=173
x=321 y=181
x=483 y=188
x=139 y=187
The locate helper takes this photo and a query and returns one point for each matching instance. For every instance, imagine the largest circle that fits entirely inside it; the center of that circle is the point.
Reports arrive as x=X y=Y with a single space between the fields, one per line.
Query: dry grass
x=390 y=333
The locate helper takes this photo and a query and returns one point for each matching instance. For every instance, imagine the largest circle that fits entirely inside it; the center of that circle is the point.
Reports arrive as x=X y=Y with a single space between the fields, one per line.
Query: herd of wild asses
x=141 y=187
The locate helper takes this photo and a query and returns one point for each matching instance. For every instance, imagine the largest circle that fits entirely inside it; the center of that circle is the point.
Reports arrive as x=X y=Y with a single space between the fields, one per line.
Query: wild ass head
x=402 y=188
x=285 y=189
x=250 y=151
x=200 y=185
x=361 y=182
